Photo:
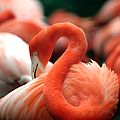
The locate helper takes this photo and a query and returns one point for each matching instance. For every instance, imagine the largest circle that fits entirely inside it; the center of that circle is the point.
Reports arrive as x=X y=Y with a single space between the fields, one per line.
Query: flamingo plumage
x=13 y=52
x=21 y=10
x=98 y=95
x=113 y=61
x=6 y=15
x=25 y=29
x=107 y=37
x=109 y=10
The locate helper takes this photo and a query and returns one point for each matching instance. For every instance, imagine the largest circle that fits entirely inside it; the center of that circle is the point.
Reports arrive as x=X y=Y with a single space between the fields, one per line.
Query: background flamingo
x=25 y=29
x=19 y=21
x=6 y=15
x=24 y=9
x=15 y=65
x=12 y=78
x=109 y=10
x=113 y=61
x=107 y=37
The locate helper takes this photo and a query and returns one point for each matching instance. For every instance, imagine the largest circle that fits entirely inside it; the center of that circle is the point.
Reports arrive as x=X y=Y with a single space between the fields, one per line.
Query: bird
x=108 y=11
x=114 y=58
x=40 y=98
x=21 y=10
x=107 y=37
x=6 y=15
x=15 y=54
x=113 y=61
x=60 y=16
x=15 y=65
x=21 y=28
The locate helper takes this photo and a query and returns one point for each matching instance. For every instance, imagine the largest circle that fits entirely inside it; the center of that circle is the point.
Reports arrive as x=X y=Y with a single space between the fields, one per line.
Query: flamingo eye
x=36 y=64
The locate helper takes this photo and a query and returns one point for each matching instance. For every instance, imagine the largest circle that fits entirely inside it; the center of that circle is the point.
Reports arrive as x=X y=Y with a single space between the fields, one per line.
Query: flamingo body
x=14 y=52
x=113 y=62
x=90 y=97
x=15 y=65
x=27 y=101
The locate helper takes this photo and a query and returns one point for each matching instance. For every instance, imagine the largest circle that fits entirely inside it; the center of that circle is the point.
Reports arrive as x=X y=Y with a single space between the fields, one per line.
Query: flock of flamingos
x=67 y=68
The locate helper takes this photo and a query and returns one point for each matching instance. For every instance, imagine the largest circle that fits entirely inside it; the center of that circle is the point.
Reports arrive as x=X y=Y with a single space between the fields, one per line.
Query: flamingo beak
x=36 y=64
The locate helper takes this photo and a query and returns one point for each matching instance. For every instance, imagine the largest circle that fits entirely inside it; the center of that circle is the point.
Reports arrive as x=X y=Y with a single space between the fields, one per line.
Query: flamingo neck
x=54 y=99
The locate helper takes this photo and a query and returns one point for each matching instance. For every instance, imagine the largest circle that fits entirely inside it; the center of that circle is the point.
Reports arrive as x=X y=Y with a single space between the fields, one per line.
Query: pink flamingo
x=12 y=78
x=113 y=61
x=98 y=95
x=111 y=45
x=25 y=29
x=15 y=65
x=107 y=37
x=110 y=10
x=27 y=9
x=61 y=16
x=6 y=15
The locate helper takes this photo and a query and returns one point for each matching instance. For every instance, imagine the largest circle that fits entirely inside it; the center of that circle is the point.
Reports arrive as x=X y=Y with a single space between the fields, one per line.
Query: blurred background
x=80 y=7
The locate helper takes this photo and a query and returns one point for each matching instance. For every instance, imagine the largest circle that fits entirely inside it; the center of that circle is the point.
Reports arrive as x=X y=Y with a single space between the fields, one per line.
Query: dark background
x=83 y=8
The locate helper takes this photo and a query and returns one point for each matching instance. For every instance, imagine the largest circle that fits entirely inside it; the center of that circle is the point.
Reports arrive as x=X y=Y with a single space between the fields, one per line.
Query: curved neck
x=54 y=99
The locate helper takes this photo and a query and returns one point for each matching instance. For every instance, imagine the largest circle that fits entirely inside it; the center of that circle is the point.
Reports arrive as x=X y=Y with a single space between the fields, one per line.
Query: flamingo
x=106 y=37
x=98 y=95
x=111 y=45
x=60 y=16
x=24 y=9
x=23 y=24
x=15 y=54
x=110 y=10
x=25 y=29
x=15 y=65
x=6 y=15
x=12 y=78
x=64 y=16
x=113 y=61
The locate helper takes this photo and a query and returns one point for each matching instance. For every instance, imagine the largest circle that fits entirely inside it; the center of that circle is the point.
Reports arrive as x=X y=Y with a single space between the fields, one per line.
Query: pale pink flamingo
x=98 y=92
x=15 y=63
x=24 y=9
x=12 y=78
